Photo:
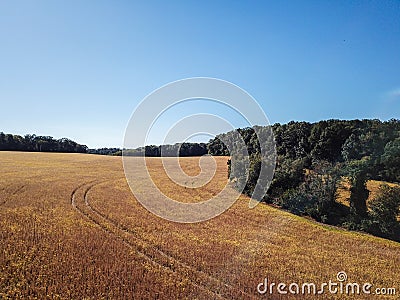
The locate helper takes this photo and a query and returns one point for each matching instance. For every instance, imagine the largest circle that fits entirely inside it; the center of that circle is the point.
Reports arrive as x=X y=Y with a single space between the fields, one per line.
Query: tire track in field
x=168 y=257
x=237 y=214
x=109 y=231
x=149 y=252
x=87 y=186
x=139 y=250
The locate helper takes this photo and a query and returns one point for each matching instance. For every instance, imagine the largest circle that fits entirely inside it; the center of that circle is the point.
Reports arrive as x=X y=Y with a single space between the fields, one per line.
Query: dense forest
x=34 y=143
x=314 y=159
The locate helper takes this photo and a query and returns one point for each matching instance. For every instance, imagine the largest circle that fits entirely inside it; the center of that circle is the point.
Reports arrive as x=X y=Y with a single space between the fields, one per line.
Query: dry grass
x=71 y=229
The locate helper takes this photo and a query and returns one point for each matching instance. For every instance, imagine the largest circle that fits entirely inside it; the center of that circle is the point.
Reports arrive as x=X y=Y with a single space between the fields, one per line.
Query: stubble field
x=70 y=228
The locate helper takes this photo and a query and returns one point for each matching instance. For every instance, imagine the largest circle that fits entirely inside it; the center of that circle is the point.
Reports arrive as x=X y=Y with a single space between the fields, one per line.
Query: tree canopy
x=312 y=159
x=34 y=143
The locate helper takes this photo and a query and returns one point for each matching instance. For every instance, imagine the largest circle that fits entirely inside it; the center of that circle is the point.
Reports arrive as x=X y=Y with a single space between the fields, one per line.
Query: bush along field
x=317 y=160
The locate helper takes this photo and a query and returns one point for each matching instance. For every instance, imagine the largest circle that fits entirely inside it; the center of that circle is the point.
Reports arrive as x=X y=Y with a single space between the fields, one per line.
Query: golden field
x=70 y=228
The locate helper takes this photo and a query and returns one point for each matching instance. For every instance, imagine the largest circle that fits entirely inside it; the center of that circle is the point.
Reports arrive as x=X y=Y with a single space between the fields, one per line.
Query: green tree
x=384 y=209
x=316 y=196
x=391 y=160
x=332 y=135
x=358 y=174
x=289 y=174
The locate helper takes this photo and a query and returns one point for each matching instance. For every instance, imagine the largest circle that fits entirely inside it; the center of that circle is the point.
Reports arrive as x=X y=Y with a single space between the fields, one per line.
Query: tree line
x=105 y=151
x=178 y=149
x=34 y=143
x=314 y=159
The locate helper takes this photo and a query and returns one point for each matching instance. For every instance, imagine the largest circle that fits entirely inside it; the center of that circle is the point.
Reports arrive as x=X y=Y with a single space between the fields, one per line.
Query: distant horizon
x=205 y=141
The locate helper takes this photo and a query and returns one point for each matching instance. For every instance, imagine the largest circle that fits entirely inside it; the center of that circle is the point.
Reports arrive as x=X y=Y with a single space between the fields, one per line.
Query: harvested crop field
x=70 y=228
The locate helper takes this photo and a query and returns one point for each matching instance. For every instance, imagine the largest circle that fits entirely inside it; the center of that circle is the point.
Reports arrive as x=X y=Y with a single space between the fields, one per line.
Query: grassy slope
x=115 y=248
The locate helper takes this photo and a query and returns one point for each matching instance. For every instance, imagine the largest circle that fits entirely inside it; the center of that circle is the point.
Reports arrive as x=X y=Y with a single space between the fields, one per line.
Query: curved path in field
x=212 y=286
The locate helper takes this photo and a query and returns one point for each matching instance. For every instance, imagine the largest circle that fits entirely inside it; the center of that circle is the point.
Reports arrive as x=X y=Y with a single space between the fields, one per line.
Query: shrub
x=384 y=209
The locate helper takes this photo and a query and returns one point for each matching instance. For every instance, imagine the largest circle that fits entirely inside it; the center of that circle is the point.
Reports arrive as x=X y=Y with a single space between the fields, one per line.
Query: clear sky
x=78 y=69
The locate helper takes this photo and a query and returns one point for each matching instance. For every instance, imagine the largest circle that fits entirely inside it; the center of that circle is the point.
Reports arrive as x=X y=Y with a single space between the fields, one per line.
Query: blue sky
x=79 y=68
